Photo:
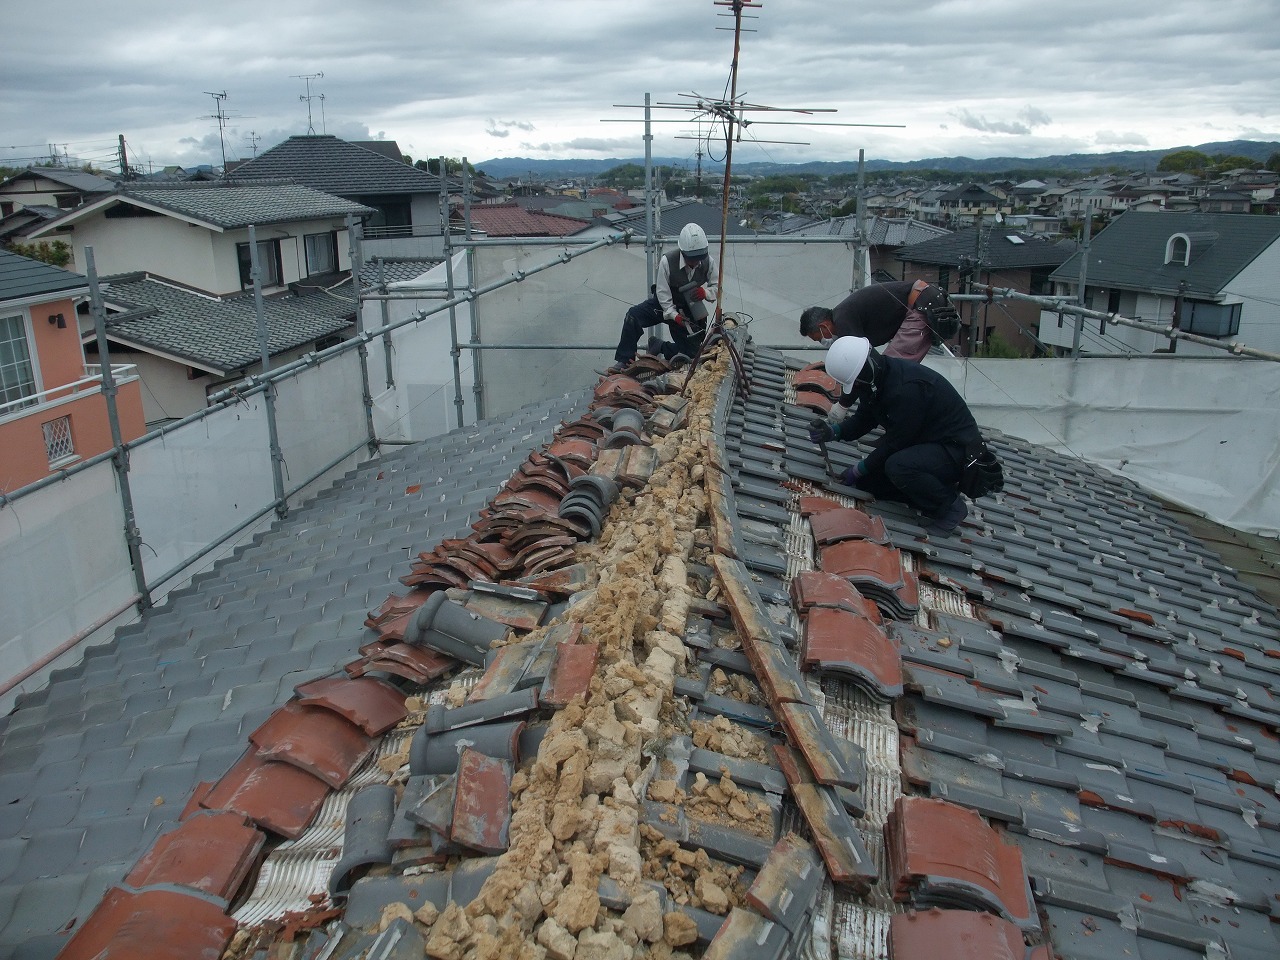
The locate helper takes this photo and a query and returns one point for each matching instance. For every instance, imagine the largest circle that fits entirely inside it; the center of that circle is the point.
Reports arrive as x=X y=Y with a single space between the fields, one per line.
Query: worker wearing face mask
x=907 y=316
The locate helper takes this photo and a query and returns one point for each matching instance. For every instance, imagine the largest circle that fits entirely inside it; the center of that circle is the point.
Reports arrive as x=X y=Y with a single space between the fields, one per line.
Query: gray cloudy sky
x=536 y=78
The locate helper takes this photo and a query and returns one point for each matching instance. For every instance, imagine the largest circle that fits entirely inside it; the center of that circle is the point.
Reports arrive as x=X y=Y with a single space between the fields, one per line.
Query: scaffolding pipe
x=1169 y=331
x=119 y=455
x=355 y=237
x=384 y=310
x=273 y=437
x=454 y=353
x=648 y=197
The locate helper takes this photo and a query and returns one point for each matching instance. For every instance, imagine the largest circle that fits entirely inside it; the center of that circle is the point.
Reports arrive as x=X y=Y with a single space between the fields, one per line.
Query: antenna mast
x=307 y=78
x=222 y=118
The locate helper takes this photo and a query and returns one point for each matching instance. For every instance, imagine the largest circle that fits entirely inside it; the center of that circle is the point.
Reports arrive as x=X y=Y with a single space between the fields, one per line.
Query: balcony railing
x=91 y=382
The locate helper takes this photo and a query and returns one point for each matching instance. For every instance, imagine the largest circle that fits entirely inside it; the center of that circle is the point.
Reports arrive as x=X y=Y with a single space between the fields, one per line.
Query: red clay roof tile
x=151 y=925
x=276 y=796
x=211 y=852
x=314 y=739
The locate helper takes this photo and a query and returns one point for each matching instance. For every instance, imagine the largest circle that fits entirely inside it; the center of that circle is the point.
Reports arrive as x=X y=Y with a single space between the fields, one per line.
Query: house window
x=1178 y=249
x=268 y=263
x=1211 y=319
x=944 y=278
x=322 y=253
x=17 y=372
x=58 y=445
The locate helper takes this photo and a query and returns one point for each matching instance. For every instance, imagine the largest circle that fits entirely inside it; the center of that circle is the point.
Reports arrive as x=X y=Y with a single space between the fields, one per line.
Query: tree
x=1273 y=162
x=57 y=253
x=1184 y=161
x=997 y=347
x=1223 y=163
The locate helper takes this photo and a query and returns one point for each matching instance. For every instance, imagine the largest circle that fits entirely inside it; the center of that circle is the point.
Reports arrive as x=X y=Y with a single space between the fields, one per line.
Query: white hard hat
x=693 y=241
x=846 y=358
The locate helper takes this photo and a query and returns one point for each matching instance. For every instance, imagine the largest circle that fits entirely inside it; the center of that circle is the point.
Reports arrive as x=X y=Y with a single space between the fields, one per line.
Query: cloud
x=1029 y=119
x=1114 y=138
x=503 y=128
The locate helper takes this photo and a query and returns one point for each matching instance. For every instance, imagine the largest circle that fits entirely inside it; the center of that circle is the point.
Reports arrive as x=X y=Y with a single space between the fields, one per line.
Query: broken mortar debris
x=575 y=814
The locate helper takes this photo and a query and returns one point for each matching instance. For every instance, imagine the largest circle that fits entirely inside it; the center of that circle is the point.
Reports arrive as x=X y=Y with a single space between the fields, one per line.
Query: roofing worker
x=928 y=430
x=908 y=316
x=687 y=281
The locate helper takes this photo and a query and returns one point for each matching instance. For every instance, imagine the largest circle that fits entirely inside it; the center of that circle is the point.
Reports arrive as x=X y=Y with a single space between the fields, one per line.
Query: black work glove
x=821 y=431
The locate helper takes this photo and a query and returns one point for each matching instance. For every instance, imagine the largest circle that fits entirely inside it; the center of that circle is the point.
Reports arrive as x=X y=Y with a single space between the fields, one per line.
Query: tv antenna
x=308 y=97
x=222 y=118
x=730 y=117
x=253 y=139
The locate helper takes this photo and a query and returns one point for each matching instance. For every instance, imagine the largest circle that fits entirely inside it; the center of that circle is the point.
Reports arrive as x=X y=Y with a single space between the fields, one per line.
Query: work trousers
x=644 y=316
x=926 y=476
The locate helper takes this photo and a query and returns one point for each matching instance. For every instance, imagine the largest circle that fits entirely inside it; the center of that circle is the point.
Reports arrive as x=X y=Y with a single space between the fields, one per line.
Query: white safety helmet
x=846 y=358
x=693 y=241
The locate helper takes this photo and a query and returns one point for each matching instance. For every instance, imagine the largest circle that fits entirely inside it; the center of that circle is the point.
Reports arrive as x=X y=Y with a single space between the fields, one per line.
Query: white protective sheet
x=1200 y=432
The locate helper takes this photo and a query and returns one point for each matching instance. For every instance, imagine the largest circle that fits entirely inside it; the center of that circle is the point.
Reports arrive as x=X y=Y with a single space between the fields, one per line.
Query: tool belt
x=982 y=471
x=935 y=305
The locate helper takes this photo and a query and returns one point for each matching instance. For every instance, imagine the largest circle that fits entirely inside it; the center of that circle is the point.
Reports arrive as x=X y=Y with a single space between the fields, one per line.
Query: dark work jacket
x=699 y=276
x=914 y=404
x=874 y=312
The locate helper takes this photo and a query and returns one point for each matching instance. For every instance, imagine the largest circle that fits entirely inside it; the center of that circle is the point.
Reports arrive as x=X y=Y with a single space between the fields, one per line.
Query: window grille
x=58 y=444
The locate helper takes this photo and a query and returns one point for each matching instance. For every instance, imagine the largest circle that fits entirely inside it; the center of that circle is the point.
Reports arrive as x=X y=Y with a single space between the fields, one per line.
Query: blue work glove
x=821 y=431
x=855 y=473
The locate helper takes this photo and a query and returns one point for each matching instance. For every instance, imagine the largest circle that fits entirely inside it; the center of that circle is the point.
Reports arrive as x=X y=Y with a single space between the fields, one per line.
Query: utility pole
x=124 y=159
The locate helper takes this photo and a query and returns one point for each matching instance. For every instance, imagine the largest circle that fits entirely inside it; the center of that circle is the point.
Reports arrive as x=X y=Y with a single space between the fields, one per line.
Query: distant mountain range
x=1145 y=160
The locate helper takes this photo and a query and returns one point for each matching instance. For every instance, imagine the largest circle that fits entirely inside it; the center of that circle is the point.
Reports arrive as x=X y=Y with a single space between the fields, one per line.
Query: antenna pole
x=728 y=152
x=221 y=117
x=307 y=97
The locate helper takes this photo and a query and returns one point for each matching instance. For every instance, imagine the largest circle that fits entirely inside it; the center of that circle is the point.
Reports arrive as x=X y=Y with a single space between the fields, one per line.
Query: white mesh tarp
x=63 y=565
x=1200 y=432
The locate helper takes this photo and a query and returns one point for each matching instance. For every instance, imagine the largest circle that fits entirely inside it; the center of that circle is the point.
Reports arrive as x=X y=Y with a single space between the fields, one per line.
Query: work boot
x=619 y=366
x=949 y=519
x=654 y=347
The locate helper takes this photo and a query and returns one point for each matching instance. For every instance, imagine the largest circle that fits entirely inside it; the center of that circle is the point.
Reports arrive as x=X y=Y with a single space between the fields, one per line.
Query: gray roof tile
x=220 y=332
x=229 y=204
x=337 y=167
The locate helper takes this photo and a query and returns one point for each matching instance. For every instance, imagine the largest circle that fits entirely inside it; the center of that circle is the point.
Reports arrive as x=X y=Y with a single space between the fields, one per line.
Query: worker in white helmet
x=687 y=282
x=929 y=432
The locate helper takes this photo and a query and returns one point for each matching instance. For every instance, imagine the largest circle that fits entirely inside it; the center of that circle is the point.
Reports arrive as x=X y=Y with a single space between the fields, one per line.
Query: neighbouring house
x=1216 y=272
x=198 y=233
x=52 y=411
x=175 y=263
x=404 y=198
x=995 y=254
x=964 y=205
x=51 y=187
x=512 y=220
x=187 y=344
x=1225 y=201
x=885 y=236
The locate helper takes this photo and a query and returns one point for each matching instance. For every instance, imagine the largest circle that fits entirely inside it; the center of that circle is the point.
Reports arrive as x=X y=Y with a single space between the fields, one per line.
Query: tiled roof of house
x=219 y=333
x=338 y=167
x=1051 y=733
x=673 y=217
x=396 y=269
x=1130 y=252
x=882 y=231
x=22 y=277
x=995 y=247
x=77 y=179
x=513 y=220
x=228 y=204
